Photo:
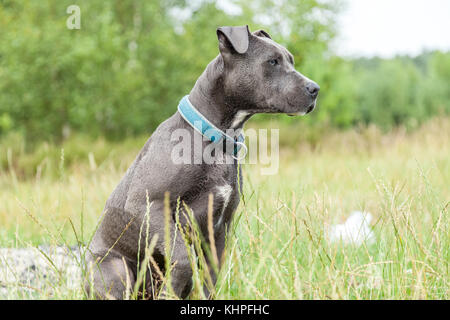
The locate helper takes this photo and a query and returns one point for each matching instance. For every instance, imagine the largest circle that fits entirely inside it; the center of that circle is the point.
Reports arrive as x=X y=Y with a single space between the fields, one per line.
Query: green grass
x=278 y=247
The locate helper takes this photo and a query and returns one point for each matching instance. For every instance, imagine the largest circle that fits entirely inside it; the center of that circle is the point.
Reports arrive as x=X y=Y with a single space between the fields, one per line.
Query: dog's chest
x=223 y=193
x=226 y=197
x=222 y=182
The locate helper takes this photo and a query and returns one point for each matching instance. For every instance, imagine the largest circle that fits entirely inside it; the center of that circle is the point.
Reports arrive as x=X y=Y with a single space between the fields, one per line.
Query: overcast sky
x=389 y=27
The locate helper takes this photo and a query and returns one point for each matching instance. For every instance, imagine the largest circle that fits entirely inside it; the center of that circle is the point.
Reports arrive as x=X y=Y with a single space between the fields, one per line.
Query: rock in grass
x=28 y=270
x=355 y=230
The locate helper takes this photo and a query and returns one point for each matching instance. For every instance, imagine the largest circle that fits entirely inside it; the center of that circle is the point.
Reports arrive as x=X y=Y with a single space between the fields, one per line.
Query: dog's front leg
x=181 y=272
x=214 y=260
x=180 y=275
x=214 y=235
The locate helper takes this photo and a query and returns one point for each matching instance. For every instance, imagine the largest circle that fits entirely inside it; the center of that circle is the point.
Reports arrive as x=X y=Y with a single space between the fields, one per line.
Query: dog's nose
x=313 y=89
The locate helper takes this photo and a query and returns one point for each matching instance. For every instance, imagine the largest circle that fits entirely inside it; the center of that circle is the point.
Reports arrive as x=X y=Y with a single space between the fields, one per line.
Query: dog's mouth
x=309 y=109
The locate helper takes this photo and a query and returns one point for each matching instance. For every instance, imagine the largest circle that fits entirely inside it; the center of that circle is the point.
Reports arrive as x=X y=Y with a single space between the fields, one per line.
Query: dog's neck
x=208 y=97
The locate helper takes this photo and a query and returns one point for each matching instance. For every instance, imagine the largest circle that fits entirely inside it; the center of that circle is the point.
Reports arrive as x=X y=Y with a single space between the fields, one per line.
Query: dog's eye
x=273 y=62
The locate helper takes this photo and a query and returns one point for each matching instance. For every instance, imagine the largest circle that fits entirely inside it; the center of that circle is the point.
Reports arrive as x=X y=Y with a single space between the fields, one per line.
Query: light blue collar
x=206 y=128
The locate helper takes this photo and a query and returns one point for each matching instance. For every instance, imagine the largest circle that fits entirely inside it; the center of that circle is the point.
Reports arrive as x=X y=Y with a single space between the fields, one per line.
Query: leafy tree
x=125 y=70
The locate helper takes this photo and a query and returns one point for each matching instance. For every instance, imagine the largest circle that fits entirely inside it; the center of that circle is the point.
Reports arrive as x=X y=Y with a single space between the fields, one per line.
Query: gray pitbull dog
x=252 y=74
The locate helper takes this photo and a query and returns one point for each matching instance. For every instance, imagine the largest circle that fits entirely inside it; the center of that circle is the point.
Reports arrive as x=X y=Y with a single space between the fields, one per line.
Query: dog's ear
x=261 y=33
x=233 y=39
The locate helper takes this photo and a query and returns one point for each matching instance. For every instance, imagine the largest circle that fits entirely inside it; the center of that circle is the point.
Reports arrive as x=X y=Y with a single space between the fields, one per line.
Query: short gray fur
x=252 y=74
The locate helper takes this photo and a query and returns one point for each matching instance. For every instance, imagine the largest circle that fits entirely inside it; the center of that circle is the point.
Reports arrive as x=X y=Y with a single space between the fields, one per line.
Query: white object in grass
x=355 y=230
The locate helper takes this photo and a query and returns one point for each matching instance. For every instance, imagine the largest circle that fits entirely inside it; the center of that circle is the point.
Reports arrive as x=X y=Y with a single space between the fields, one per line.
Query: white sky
x=389 y=27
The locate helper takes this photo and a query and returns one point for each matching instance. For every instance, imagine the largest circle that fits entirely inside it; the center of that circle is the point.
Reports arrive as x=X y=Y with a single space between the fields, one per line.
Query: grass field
x=279 y=247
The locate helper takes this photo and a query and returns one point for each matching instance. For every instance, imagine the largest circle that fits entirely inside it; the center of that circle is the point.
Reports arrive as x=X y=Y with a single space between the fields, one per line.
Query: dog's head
x=259 y=74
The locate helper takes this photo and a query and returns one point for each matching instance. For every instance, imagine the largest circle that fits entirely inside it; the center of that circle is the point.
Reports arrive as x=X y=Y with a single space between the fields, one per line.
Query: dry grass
x=278 y=248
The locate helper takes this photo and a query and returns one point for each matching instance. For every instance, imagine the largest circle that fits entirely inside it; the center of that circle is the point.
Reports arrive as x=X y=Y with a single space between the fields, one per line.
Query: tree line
x=124 y=71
